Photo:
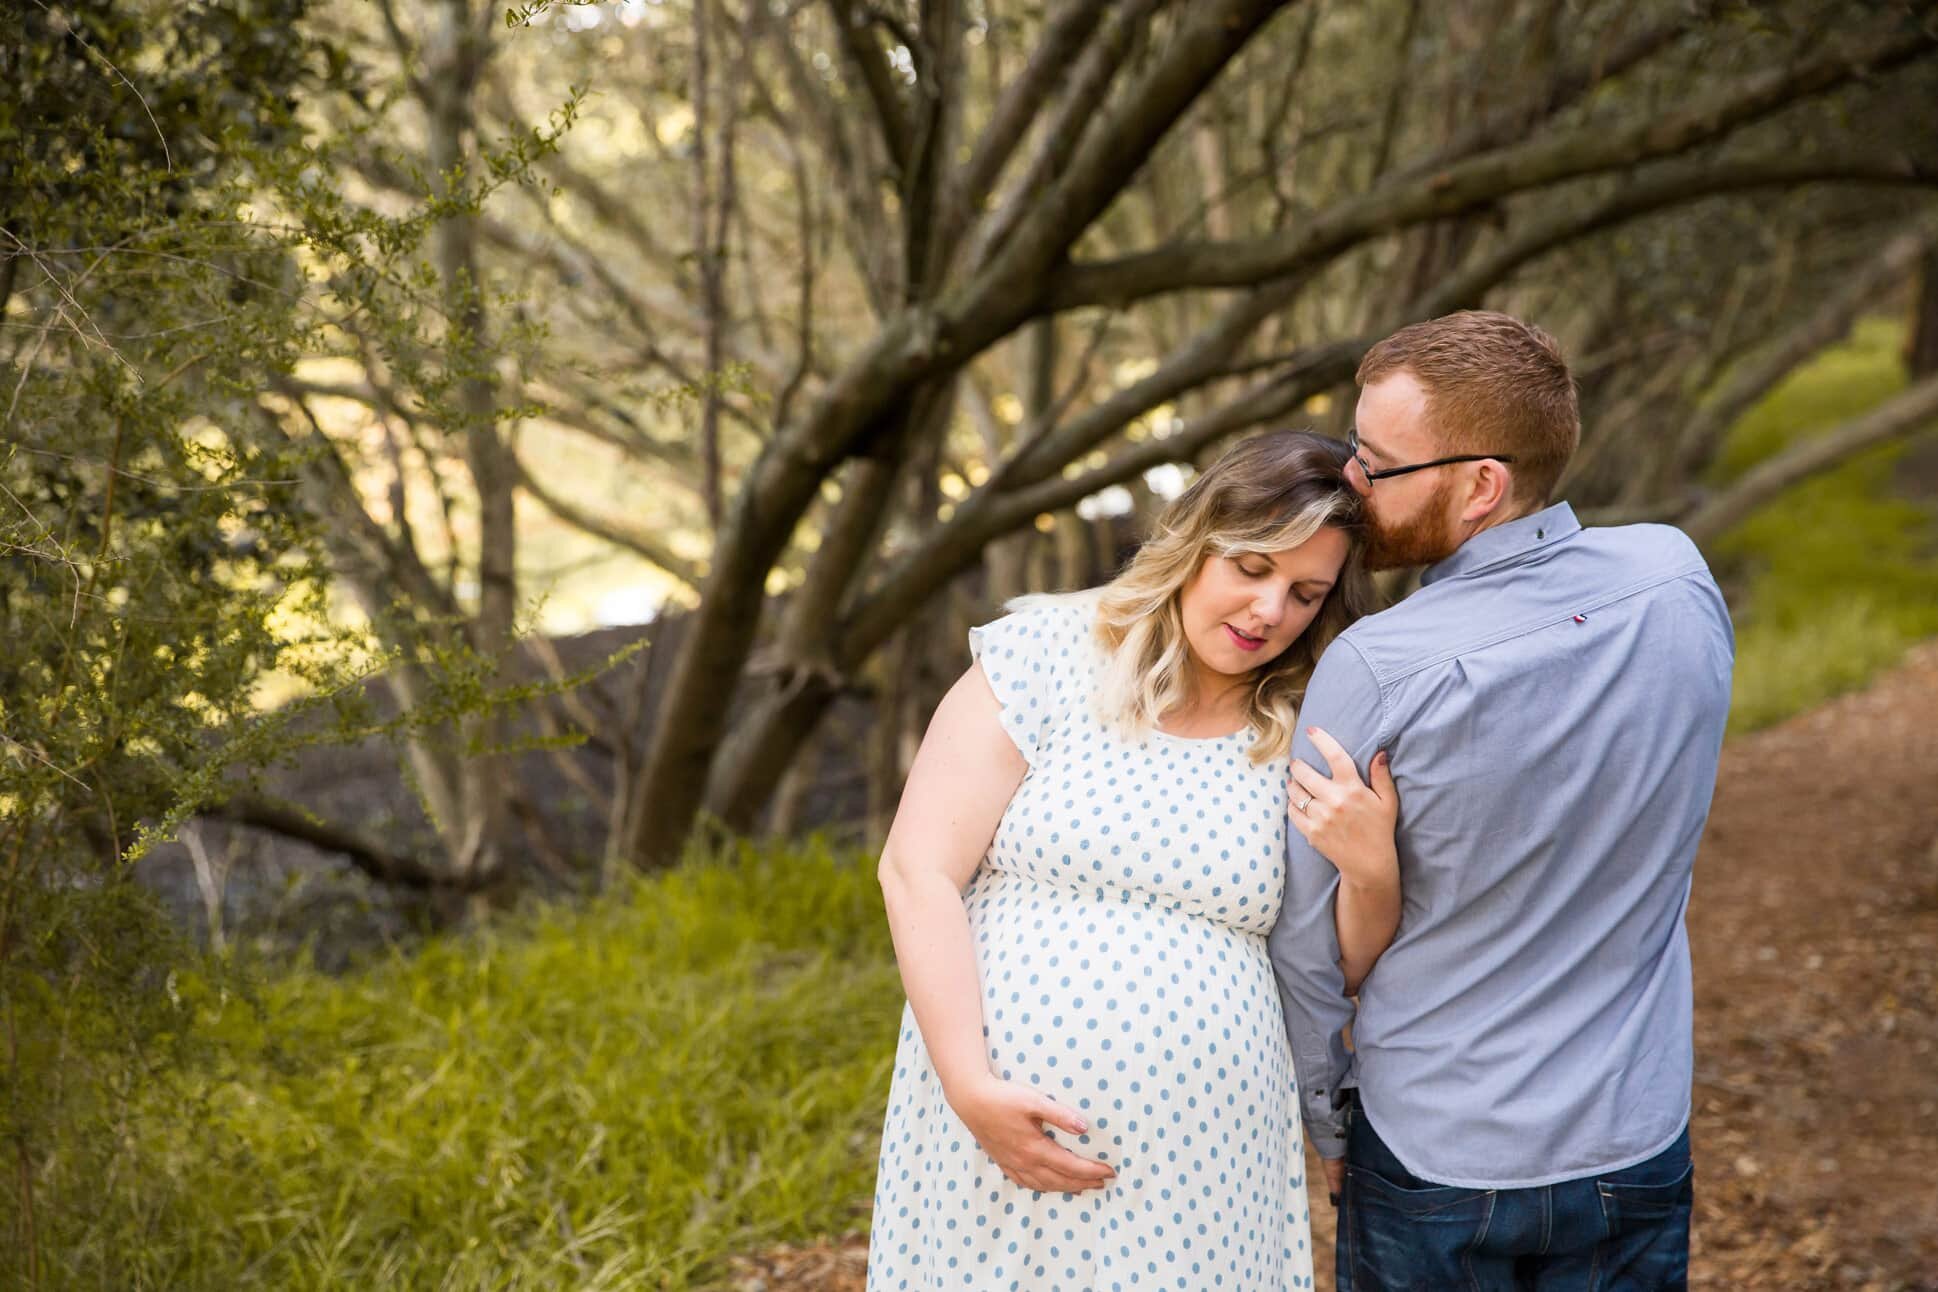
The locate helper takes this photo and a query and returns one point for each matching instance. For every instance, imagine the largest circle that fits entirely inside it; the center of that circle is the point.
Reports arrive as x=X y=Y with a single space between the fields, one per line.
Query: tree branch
x=1826 y=324
x=713 y=204
x=1090 y=80
x=366 y=854
x=1567 y=87
x=638 y=542
x=1202 y=357
x=865 y=229
x=621 y=216
x=987 y=514
x=1032 y=483
x=1670 y=185
x=1064 y=35
x=629 y=437
x=1186 y=366
x=405 y=48
x=1908 y=412
x=381 y=561
x=932 y=134
x=573 y=262
x=1408 y=199
x=866 y=57
x=1389 y=124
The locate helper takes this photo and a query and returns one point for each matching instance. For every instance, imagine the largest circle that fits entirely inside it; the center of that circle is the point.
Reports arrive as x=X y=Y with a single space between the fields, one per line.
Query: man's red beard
x=1426 y=538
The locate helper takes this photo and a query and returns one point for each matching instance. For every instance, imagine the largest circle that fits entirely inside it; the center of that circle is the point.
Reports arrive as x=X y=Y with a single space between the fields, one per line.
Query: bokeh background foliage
x=491 y=499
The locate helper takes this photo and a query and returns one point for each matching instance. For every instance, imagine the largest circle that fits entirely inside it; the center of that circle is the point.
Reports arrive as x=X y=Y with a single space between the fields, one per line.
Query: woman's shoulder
x=1052 y=626
x=1067 y=612
x=1048 y=635
x=1038 y=659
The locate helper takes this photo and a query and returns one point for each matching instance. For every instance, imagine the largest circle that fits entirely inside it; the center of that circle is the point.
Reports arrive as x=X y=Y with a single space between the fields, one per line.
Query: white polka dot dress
x=1119 y=922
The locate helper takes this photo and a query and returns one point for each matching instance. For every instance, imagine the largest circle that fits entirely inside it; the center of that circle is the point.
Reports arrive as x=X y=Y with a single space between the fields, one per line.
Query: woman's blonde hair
x=1268 y=494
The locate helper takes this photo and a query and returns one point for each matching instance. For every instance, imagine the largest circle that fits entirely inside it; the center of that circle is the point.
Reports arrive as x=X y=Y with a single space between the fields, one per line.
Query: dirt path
x=1815 y=927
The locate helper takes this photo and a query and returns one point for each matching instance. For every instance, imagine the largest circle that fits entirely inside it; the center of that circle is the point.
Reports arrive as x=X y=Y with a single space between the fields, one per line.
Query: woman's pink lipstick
x=1241 y=641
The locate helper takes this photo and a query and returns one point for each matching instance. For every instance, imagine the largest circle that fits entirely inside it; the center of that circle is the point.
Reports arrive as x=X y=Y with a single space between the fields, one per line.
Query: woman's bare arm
x=1367 y=916
x=960 y=784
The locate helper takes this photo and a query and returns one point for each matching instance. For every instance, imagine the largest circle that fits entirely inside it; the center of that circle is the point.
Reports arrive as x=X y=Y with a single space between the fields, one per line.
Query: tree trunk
x=754 y=756
x=1105 y=539
x=1921 y=349
x=795 y=791
x=1076 y=562
x=457 y=55
x=759 y=754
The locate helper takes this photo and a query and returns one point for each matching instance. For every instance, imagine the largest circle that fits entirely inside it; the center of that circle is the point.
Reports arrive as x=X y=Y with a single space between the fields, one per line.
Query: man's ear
x=1493 y=484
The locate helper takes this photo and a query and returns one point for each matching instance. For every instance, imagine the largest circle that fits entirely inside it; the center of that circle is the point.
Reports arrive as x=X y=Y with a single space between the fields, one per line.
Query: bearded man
x=1514 y=1109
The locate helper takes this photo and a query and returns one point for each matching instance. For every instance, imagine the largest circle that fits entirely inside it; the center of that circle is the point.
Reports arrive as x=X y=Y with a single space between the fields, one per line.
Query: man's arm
x=1344 y=700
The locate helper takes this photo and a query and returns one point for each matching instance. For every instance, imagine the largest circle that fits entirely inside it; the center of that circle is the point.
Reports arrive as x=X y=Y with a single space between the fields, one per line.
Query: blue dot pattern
x=1119 y=922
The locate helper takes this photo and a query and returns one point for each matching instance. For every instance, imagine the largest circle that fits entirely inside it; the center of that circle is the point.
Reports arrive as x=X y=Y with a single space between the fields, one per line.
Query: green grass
x=1838 y=576
x=609 y=1097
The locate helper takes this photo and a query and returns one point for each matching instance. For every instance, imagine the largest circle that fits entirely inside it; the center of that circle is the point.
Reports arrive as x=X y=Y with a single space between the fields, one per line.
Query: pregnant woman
x=1092 y=1088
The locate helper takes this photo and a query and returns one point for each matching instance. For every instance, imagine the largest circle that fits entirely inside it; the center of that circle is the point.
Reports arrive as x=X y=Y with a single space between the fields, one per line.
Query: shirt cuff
x=1328 y=1137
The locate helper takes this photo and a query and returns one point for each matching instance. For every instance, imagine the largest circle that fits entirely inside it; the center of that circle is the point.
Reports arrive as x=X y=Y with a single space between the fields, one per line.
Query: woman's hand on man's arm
x=1351 y=824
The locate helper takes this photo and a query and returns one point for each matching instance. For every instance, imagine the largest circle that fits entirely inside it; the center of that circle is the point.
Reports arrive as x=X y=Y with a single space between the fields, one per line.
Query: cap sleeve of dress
x=1029 y=658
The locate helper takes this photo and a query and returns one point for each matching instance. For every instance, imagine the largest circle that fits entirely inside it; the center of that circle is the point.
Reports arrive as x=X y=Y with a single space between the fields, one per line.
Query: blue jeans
x=1627 y=1231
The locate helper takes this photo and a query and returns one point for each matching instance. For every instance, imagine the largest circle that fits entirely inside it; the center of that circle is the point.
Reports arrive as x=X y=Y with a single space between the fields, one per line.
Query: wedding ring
x=1305 y=803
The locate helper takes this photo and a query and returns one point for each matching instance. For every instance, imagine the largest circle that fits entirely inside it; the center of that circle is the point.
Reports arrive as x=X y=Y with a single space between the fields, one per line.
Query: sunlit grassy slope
x=1839 y=575
x=609 y=1097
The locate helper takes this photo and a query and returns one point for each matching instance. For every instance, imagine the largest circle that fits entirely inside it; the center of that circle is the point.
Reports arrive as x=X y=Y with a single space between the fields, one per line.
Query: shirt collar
x=1510 y=542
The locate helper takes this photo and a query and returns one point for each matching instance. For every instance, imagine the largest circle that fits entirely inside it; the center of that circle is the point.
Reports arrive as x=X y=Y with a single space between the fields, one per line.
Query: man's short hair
x=1493 y=385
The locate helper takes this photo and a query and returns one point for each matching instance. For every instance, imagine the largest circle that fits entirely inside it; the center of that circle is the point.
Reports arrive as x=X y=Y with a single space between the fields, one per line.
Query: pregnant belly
x=1161 y=1028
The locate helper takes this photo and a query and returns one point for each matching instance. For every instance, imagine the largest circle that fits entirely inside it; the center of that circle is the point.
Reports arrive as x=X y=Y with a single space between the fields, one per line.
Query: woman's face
x=1241 y=612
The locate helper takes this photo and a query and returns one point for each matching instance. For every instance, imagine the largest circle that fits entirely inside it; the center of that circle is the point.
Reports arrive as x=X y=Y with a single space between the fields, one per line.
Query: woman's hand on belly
x=1008 y=1120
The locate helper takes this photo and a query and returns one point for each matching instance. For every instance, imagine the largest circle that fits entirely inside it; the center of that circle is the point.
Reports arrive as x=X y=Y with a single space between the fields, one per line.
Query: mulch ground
x=1815 y=928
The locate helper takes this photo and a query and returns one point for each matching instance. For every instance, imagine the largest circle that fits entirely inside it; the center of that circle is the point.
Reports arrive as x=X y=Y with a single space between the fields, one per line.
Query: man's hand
x=1335 y=1178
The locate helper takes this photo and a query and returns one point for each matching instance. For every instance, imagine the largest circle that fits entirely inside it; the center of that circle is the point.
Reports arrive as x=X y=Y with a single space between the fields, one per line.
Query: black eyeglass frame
x=1352 y=443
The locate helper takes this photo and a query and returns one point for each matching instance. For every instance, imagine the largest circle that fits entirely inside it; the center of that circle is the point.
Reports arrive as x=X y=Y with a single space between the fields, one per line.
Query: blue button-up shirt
x=1553 y=698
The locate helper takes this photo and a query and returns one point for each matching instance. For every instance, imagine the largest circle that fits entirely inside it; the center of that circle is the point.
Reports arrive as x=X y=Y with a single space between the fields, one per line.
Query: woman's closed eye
x=1251 y=571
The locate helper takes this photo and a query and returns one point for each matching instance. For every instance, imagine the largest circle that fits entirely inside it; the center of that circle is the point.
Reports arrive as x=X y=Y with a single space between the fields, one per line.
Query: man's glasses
x=1352 y=442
